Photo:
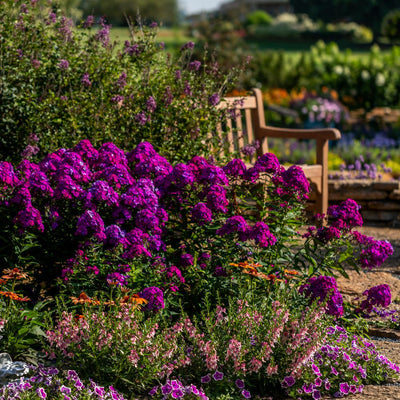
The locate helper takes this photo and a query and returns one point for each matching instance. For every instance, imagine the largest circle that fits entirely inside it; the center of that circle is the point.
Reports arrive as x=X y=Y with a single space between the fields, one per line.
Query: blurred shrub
x=60 y=84
x=361 y=82
x=258 y=18
x=391 y=25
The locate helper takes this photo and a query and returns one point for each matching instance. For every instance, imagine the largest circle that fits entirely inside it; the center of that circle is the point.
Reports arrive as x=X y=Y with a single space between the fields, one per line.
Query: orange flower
x=14 y=296
x=134 y=299
x=84 y=298
x=14 y=273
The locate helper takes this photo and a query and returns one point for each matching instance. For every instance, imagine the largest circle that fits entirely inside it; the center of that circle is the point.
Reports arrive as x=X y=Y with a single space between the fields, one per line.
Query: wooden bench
x=245 y=124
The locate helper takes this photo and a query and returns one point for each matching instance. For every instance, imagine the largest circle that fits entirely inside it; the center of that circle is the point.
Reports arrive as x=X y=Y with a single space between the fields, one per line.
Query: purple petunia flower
x=205 y=379
x=218 y=376
x=344 y=388
x=246 y=394
x=239 y=383
x=288 y=381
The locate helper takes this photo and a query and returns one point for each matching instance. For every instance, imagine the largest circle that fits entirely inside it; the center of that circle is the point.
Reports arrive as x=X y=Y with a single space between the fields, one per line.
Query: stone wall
x=379 y=200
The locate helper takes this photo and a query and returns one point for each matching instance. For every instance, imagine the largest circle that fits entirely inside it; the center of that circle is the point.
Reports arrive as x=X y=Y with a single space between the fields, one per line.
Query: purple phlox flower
x=376 y=296
x=201 y=214
x=181 y=176
x=197 y=164
x=268 y=163
x=172 y=271
x=216 y=199
x=115 y=236
x=319 y=288
x=375 y=252
x=7 y=175
x=117 y=279
x=101 y=191
x=261 y=234
x=147 y=220
x=85 y=80
x=235 y=168
x=110 y=155
x=166 y=389
x=346 y=215
x=186 y=260
x=294 y=180
x=213 y=175
x=116 y=175
x=234 y=224
x=220 y=271
x=90 y=222
x=67 y=188
x=29 y=217
x=154 y=297
x=86 y=150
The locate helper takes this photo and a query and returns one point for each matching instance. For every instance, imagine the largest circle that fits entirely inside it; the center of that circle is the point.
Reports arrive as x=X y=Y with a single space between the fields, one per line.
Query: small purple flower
x=186 y=260
x=188 y=45
x=154 y=297
x=141 y=118
x=205 y=379
x=344 y=388
x=63 y=64
x=85 y=80
x=214 y=99
x=166 y=389
x=89 y=21
x=194 y=65
x=288 y=381
x=151 y=104
x=201 y=214
x=239 y=384
x=246 y=394
x=41 y=393
x=218 y=376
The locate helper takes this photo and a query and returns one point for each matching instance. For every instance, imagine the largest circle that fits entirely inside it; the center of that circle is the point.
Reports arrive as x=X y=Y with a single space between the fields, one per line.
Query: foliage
x=258 y=17
x=391 y=25
x=21 y=328
x=60 y=85
x=360 y=82
x=368 y=12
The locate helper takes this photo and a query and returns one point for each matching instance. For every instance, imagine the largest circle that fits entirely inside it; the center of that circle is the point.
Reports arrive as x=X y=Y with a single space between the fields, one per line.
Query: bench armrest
x=273 y=132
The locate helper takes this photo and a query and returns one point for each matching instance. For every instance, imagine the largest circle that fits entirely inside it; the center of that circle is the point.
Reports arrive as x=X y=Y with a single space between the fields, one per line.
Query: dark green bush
x=391 y=25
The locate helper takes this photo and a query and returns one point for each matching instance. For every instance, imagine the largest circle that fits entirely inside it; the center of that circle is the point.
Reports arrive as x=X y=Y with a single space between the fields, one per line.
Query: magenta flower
x=239 y=383
x=63 y=64
x=246 y=394
x=218 y=376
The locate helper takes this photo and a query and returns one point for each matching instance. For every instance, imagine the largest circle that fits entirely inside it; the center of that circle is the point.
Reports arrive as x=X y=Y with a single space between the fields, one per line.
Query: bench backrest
x=245 y=116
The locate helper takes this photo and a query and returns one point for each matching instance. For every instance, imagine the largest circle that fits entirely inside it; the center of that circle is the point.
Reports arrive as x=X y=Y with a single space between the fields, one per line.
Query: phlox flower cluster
x=48 y=383
x=380 y=296
x=346 y=215
x=134 y=203
x=373 y=252
x=323 y=288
